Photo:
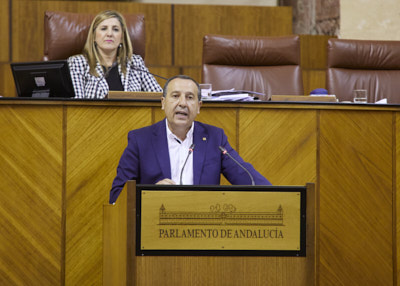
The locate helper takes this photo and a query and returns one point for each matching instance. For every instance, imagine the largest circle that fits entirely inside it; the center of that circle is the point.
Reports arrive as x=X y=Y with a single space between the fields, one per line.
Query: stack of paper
x=382 y=101
x=233 y=95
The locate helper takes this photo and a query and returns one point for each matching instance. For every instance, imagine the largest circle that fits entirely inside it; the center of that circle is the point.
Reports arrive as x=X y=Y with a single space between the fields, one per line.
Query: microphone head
x=223 y=150
x=191 y=148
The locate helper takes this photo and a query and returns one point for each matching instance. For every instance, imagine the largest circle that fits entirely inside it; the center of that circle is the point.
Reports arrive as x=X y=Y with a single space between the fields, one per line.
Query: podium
x=130 y=258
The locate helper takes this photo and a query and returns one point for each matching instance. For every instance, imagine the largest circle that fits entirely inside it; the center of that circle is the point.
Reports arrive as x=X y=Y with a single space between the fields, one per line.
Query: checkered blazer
x=88 y=86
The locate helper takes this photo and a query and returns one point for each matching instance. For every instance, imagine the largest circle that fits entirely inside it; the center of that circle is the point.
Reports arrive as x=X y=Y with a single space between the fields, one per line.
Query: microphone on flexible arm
x=156 y=75
x=225 y=152
x=191 y=148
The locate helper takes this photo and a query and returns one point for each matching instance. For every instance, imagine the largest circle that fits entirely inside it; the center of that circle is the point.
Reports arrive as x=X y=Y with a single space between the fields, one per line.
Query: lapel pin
x=204 y=139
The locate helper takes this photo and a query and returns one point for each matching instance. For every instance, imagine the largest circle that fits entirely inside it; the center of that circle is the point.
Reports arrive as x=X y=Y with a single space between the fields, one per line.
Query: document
x=233 y=95
x=234 y=91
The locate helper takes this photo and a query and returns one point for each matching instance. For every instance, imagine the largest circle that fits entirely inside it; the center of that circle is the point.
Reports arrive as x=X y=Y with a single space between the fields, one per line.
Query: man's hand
x=166 y=182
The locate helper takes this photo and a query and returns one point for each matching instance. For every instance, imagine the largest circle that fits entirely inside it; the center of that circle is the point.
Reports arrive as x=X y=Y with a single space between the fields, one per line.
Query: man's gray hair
x=182 y=77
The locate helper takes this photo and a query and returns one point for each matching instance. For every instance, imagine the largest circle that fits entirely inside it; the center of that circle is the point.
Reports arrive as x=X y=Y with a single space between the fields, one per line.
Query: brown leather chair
x=65 y=33
x=362 y=64
x=270 y=65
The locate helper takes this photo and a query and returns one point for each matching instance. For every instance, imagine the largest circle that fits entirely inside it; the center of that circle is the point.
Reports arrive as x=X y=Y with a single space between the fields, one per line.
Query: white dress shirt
x=178 y=152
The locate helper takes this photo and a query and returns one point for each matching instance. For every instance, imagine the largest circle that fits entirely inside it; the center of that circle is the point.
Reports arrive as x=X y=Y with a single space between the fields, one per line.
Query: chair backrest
x=270 y=65
x=65 y=33
x=362 y=64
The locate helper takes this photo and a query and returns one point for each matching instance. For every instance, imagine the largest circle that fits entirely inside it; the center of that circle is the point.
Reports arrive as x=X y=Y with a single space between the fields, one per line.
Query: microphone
x=191 y=148
x=224 y=152
x=156 y=75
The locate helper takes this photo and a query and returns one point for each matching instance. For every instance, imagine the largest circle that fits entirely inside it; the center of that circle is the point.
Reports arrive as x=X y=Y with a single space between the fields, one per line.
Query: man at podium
x=179 y=150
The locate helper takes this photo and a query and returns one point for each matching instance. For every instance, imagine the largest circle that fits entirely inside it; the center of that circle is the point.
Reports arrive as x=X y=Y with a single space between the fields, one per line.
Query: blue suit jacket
x=146 y=159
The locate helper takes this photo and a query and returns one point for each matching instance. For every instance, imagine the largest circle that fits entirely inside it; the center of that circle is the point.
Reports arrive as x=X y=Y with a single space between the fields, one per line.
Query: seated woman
x=107 y=62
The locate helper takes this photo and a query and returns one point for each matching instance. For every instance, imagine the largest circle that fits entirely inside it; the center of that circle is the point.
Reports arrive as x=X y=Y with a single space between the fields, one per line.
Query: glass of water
x=206 y=89
x=360 y=96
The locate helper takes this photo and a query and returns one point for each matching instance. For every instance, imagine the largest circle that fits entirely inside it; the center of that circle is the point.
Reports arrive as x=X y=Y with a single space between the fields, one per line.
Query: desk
x=58 y=160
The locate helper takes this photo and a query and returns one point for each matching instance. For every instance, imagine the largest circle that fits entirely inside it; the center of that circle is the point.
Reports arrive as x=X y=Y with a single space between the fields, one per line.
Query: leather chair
x=65 y=33
x=270 y=65
x=362 y=64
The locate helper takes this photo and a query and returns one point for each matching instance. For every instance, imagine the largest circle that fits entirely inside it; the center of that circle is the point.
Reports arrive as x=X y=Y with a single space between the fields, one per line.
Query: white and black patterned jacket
x=88 y=86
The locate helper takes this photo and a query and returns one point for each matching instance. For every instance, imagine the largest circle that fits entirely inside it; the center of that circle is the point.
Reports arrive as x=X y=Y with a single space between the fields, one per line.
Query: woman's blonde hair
x=124 y=52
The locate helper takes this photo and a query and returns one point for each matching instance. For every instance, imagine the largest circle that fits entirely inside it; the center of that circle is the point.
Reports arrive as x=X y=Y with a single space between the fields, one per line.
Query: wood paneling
x=5 y=31
x=396 y=198
x=31 y=229
x=356 y=203
x=48 y=154
x=96 y=138
x=192 y=22
x=313 y=79
x=203 y=270
x=314 y=51
x=193 y=72
x=283 y=152
x=29 y=17
x=7 y=86
x=165 y=72
x=214 y=271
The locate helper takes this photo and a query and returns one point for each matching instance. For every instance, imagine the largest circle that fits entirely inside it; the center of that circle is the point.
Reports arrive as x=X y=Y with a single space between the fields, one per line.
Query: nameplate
x=221 y=220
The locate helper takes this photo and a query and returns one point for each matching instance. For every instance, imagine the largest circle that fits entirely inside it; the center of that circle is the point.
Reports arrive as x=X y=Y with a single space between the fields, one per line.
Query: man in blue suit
x=179 y=150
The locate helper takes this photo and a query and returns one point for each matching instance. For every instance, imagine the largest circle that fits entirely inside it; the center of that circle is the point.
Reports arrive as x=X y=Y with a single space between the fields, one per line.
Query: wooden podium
x=122 y=265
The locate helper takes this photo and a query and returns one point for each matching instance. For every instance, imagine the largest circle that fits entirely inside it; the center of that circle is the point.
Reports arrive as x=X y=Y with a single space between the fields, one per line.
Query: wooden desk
x=58 y=160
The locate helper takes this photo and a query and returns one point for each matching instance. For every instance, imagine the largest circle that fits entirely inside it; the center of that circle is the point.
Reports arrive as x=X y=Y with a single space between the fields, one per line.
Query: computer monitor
x=43 y=79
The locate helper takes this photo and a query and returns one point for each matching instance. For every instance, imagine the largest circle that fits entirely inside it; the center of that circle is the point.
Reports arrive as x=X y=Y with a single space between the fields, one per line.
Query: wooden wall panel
x=313 y=61
x=348 y=151
x=314 y=51
x=193 y=72
x=222 y=118
x=29 y=17
x=5 y=30
x=165 y=72
x=256 y=271
x=31 y=239
x=192 y=22
x=7 y=86
x=283 y=145
x=96 y=139
x=396 y=198
x=356 y=198
x=313 y=79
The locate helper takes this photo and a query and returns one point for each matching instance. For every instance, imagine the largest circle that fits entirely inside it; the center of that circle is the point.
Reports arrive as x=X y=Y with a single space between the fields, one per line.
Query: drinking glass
x=360 y=96
x=206 y=89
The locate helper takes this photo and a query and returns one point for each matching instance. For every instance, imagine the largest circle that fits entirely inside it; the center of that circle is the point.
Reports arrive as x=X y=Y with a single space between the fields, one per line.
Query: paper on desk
x=216 y=92
x=234 y=91
x=232 y=97
x=382 y=101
